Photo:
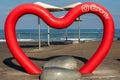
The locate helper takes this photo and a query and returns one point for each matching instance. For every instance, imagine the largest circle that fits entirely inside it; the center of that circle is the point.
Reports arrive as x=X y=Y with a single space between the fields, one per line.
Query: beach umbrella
x=51 y=8
x=69 y=7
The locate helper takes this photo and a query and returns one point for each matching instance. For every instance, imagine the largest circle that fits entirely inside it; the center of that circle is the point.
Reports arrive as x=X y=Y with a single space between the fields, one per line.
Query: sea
x=59 y=35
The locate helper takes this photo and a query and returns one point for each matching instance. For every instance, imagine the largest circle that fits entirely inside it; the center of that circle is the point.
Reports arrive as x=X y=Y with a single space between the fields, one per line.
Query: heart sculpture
x=59 y=23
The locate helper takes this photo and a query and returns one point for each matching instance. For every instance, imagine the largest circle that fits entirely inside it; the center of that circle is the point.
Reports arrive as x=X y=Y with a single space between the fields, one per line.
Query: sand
x=109 y=69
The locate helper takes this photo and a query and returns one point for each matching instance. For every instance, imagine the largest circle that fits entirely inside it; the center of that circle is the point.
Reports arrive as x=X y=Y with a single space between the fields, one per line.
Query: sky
x=89 y=21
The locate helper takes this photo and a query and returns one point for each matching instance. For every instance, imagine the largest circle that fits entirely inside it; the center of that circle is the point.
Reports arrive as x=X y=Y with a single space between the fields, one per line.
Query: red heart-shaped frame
x=59 y=23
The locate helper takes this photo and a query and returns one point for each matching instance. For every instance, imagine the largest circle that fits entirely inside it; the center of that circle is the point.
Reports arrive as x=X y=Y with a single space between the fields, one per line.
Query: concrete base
x=66 y=62
x=59 y=74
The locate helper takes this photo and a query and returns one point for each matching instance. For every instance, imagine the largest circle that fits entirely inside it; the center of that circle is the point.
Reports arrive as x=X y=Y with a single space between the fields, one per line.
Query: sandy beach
x=109 y=69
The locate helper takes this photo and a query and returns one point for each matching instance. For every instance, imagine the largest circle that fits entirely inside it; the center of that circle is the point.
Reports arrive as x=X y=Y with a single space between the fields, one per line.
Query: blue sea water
x=57 y=35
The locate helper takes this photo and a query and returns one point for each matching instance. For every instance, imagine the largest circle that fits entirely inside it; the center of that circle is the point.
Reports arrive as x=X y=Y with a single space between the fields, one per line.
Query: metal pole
x=48 y=36
x=79 y=29
x=66 y=34
x=18 y=35
x=39 y=33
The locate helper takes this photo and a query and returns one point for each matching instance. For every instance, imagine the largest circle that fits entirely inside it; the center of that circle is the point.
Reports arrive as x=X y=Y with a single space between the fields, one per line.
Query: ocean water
x=58 y=35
